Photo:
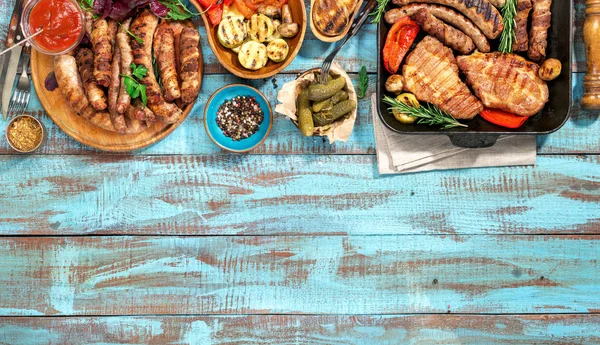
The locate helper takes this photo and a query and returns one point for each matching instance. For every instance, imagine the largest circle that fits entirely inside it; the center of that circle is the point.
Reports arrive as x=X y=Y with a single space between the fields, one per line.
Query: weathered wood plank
x=307 y=275
x=297 y=329
x=580 y=135
x=235 y=194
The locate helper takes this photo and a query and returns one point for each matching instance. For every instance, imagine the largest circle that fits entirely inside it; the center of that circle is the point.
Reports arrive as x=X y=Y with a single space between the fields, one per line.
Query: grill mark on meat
x=521 y=43
x=431 y=74
x=505 y=81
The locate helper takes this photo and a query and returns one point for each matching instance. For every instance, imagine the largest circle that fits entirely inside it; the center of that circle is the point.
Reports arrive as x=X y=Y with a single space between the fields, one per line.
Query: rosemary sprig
x=426 y=114
x=379 y=11
x=508 y=36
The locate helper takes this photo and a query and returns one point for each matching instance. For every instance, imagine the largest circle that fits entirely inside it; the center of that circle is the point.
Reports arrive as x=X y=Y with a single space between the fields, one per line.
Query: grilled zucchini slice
x=232 y=32
x=260 y=27
x=276 y=35
x=278 y=50
x=253 y=55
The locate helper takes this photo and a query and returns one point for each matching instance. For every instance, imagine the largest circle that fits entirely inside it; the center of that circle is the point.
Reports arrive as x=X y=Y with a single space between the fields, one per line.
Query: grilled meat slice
x=505 y=81
x=481 y=12
x=451 y=37
x=521 y=43
x=538 y=35
x=431 y=73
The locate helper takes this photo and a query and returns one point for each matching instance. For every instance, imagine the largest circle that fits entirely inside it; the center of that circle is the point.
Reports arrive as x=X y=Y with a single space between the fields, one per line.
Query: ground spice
x=25 y=134
x=240 y=117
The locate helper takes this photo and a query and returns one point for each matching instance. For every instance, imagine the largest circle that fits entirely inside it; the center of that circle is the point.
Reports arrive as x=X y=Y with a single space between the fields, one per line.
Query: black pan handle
x=473 y=141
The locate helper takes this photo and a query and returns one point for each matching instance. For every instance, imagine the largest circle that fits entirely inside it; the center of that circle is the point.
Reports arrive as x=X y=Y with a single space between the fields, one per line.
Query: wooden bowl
x=229 y=59
x=331 y=39
x=82 y=130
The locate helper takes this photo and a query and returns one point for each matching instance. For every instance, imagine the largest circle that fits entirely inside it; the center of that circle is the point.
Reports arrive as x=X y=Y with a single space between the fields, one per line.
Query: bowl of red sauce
x=62 y=21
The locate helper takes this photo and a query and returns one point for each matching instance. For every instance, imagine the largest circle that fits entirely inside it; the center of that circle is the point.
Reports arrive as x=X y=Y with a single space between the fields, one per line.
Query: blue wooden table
x=299 y=242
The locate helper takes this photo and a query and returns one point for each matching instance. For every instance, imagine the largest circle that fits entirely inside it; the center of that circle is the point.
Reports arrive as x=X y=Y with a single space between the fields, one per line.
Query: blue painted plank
x=298 y=194
x=299 y=275
x=580 y=135
x=297 y=329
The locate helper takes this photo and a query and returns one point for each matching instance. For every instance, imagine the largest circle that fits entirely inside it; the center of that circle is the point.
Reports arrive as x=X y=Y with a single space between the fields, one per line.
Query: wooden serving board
x=229 y=59
x=81 y=129
x=331 y=39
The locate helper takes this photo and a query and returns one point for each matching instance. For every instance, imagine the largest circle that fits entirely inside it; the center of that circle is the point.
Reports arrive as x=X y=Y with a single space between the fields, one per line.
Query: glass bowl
x=27 y=32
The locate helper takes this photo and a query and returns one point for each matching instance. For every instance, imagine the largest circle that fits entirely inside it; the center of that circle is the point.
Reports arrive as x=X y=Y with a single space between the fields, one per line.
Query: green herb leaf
x=379 y=11
x=177 y=10
x=508 y=36
x=138 y=71
x=427 y=114
x=142 y=89
x=363 y=83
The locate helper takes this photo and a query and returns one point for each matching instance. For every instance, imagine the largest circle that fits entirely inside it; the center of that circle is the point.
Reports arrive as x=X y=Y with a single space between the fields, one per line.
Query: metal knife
x=10 y=64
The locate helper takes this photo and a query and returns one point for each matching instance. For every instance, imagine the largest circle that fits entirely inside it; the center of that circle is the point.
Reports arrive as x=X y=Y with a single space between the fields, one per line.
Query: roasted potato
x=232 y=32
x=253 y=55
x=410 y=99
x=278 y=50
x=395 y=84
x=260 y=27
x=550 y=69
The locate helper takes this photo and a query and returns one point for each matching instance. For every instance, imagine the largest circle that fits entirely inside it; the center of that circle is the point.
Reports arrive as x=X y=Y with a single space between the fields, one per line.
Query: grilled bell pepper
x=399 y=39
x=503 y=118
x=214 y=10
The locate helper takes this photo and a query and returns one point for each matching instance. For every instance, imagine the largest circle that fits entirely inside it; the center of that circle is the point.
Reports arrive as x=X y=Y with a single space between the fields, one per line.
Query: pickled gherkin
x=305 y=116
x=322 y=105
x=339 y=97
x=321 y=92
x=326 y=117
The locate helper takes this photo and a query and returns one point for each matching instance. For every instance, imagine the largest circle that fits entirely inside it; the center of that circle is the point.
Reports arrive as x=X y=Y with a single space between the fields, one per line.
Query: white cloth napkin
x=399 y=153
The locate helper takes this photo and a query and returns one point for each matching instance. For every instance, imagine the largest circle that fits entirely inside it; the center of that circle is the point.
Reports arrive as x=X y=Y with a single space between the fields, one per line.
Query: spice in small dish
x=24 y=133
x=240 y=117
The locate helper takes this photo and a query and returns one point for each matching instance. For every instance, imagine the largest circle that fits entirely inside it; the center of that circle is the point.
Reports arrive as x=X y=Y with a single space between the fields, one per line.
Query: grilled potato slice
x=232 y=32
x=253 y=55
x=260 y=27
x=278 y=50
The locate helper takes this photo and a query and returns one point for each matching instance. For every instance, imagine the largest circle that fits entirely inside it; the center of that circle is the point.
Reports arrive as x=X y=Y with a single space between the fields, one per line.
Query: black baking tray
x=481 y=133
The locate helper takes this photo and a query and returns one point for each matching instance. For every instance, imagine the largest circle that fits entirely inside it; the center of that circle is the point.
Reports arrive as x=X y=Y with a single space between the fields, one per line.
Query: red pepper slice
x=503 y=118
x=228 y=2
x=215 y=14
x=244 y=10
x=399 y=39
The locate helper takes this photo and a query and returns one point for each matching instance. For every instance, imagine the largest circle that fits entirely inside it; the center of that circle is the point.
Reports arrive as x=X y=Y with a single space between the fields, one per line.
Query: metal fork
x=361 y=18
x=21 y=95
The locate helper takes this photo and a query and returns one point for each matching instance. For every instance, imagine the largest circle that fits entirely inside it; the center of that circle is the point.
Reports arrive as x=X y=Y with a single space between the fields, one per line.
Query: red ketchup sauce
x=61 y=21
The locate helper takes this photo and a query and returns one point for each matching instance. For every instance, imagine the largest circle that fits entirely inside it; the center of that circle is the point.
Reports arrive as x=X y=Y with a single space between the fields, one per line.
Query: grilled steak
x=505 y=81
x=431 y=74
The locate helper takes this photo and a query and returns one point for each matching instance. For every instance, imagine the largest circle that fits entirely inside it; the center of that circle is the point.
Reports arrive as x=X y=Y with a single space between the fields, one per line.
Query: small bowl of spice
x=25 y=133
x=238 y=118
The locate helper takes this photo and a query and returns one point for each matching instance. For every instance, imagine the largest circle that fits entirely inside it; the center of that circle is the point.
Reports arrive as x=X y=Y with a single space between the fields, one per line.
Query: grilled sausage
x=103 y=52
x=137 y=111
x=89 y=23
x=135 y=126
x=189 y=58
x=448 y=35
x=124 y=47
x=144 y=26
x=521 y=43
x=498 y=3
x=85 y=63
x=167 y=66
x=113 y=93
x=538 y=35
x=447 y=15
x=481 y=12
x=69 y=82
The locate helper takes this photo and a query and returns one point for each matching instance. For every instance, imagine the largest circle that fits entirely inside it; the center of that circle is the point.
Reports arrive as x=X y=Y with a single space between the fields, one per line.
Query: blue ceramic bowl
x=214 y=132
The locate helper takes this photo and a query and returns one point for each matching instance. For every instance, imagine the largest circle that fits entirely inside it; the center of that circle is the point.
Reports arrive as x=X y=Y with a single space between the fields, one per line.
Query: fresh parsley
x=135 y=37
x=363 y=83
x=177 y=10
x=134 y=88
